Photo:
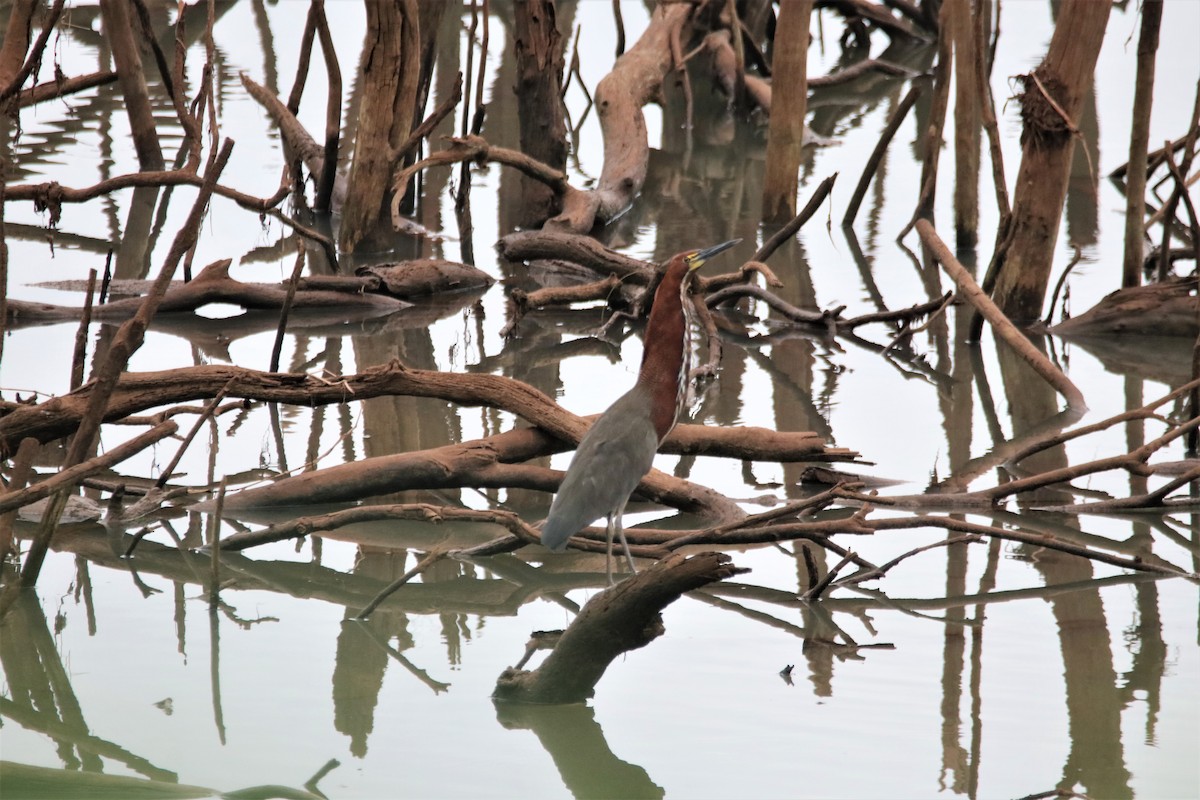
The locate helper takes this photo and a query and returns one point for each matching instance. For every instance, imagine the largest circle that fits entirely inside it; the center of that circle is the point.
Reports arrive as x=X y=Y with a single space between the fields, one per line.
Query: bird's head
x=694 y=259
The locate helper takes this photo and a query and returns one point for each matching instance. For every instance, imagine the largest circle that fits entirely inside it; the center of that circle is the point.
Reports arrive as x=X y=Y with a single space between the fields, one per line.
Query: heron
x=618 y=450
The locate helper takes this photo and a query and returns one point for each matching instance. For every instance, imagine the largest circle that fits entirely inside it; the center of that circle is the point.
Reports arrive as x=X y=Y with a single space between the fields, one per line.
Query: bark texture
x=1139 y=144
x=16 y=40
x=1056 y=88
x=391 y=68
x=540 y=67
x=613 y=622
x=966 y=126
x=118 y=25
x=139 y=391
x=636 y=80
x=786 y=132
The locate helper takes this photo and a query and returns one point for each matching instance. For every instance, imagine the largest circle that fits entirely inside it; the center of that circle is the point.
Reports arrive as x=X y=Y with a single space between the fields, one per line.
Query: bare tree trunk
x=16 y=40
x=1139 y=144
x=539 y=48
x=931 y=133
x=786 y=131
x=966 y=127
x=118 y=26
x=431 y=14
x=1055 y=89
x=391 y=70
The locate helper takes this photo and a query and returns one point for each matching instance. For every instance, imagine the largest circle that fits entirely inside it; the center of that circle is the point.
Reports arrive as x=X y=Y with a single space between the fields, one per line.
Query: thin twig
x=877 y=154
x=815 y=592
x=869 y=576
x=1062 y=279
x=214 y=542
x=81 y=333
x=789 y=230
x=430 y=559
x=208 y=411
x=289 y=298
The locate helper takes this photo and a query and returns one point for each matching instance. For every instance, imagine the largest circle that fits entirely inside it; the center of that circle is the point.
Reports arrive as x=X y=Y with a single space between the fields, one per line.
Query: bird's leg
x=625 y=544
x=608 y=531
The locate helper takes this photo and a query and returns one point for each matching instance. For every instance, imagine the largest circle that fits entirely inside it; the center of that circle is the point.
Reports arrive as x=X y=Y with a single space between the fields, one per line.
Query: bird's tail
x=555 y=533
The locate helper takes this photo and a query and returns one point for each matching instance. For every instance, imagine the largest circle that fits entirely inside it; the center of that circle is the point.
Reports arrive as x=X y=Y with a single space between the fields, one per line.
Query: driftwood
x=138 y=391
x=452 y=466
x=553 y=246
x=583 y=250
x=420 y=277
x=307 y=526
x=497 y=461
x=635 y=81
x=1158 y=309
x=375 y=289
x=214 y=285
x=617 y=620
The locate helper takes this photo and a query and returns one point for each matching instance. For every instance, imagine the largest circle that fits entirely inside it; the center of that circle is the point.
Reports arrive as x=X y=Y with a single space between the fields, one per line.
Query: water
x=1001 y=671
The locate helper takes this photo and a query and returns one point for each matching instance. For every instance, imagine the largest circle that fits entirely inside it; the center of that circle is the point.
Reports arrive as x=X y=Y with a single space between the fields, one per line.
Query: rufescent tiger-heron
x=618 y=450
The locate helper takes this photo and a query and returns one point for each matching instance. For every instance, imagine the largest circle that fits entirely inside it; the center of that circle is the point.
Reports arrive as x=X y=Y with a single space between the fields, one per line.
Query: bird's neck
x=665 y=358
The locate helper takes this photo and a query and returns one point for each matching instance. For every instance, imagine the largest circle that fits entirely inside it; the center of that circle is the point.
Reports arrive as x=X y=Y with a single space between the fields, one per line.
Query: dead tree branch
x=613 y=622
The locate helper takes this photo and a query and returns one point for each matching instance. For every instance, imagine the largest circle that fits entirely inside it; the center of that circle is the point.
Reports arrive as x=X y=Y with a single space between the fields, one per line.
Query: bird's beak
x=697 y=259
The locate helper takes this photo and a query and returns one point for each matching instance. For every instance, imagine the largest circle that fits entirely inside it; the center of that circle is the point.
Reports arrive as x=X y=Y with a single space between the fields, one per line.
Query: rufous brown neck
x=665 y=359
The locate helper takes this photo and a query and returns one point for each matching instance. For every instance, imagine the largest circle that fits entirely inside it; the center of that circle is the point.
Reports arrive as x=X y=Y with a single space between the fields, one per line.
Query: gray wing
x=610 y=462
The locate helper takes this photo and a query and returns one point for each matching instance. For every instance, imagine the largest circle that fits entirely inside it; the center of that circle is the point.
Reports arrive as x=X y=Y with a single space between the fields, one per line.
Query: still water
x=994 y=671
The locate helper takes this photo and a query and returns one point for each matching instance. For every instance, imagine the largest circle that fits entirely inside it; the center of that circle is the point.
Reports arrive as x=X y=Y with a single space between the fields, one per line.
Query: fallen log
x=1157 y=309
x=419 y=277
x=622 y=618
x=136 y=392
x=574 y=248
x=498 y=462
x=214 y=285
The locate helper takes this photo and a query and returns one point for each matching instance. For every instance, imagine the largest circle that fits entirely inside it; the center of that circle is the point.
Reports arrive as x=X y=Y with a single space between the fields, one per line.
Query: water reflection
x=362 y=658
x=433 y=635
x=41 y=698
x=575 y=742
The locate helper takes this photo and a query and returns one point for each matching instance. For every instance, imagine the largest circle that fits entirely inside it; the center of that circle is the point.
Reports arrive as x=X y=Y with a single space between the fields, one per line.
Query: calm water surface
x=994 y=671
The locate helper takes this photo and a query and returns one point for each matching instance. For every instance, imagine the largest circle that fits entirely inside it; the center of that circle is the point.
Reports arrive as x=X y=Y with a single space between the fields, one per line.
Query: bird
x=618 y=450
